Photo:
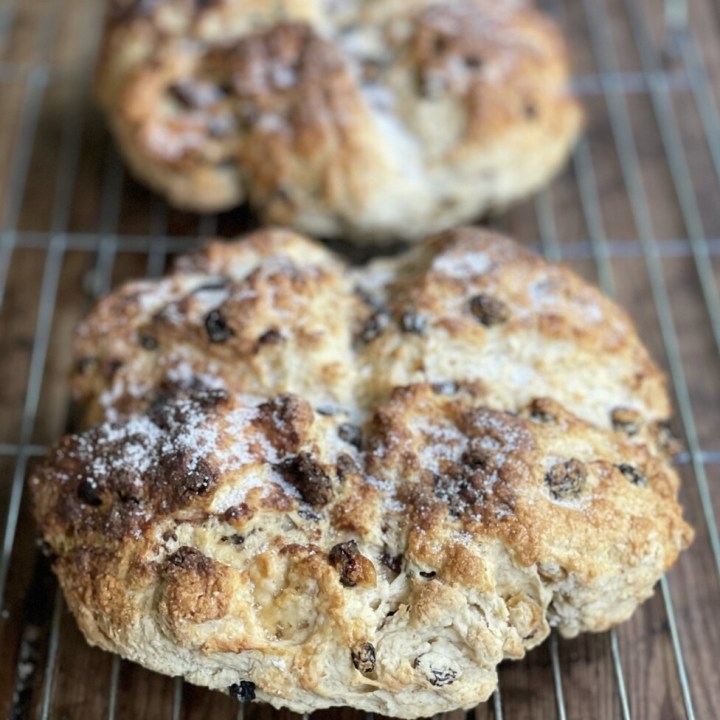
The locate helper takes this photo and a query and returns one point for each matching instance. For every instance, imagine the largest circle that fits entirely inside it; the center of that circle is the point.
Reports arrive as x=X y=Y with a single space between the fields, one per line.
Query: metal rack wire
x=611 y=85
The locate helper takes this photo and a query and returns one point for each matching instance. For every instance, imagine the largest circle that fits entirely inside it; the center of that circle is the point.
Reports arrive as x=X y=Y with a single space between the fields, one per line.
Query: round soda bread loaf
x=367 y=119
x=316 y=485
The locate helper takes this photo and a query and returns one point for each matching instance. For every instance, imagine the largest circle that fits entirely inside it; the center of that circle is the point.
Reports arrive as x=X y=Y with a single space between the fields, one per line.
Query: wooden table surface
x=638 y=211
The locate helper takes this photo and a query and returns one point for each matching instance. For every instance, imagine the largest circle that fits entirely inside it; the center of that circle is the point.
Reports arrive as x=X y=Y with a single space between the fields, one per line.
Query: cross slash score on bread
x=317 y=485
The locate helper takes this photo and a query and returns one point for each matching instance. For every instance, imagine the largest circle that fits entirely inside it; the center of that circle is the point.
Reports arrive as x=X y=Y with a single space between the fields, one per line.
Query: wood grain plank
x=20 y=45
x=697 y=346
x=11 y=619
x=695 y=588
x=144 y=694
x=82 y=676
x=17 y=329
x=588 y=678
x=94 y=157
x=705 y=27
x=527 y=687
x=625 y=56
x=13 y=96
x=71 y=304
x=80 y=684
x=24 y=628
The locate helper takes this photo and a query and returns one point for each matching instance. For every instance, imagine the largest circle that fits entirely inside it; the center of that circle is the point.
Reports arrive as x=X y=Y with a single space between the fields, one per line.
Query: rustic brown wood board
x=637 y=211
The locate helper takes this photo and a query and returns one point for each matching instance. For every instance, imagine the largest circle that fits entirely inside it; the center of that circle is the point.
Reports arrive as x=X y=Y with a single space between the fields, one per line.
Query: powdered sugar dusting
x=440 y=443
x=464 y=266
x=137 y=436
x=153 y=295
x=182 y=374
x=161 y=460
x=552 y=295
x=125 y=391
x=211 y=296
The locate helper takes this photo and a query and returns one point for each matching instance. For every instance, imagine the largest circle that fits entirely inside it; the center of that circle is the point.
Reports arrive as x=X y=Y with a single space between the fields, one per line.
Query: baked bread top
x=375 y=120
x=277 y=313
x=318 y=485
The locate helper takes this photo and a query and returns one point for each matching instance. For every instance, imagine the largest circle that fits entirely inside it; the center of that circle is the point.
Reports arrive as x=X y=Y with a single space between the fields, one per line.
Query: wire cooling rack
x=638 y=212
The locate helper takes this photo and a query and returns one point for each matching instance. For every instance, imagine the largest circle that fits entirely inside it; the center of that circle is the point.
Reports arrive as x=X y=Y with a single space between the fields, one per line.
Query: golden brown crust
x=466 y=307
x=382 y=534
x=376 y=120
